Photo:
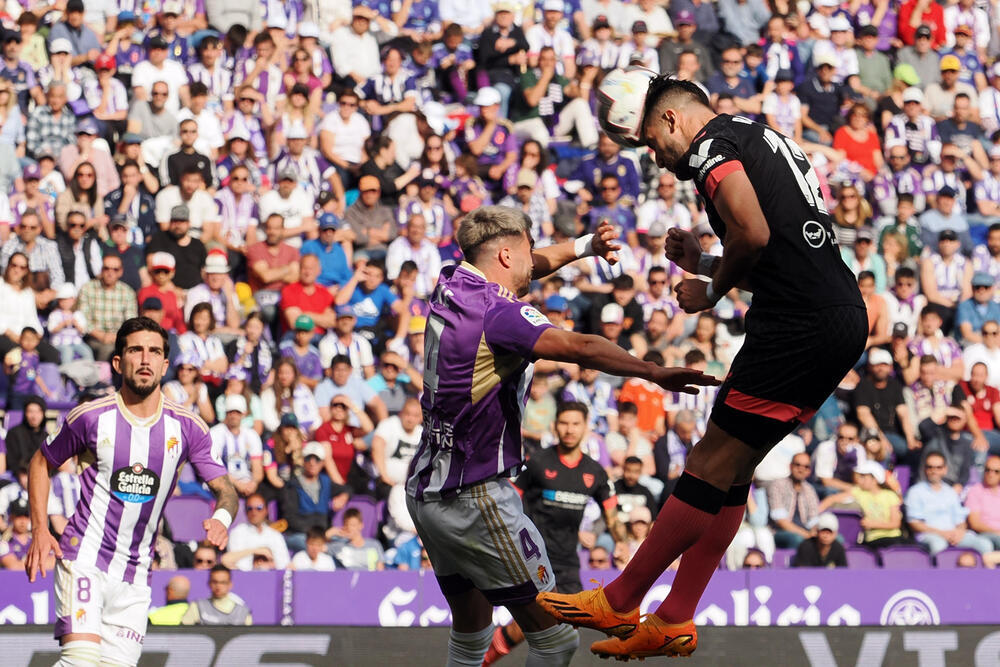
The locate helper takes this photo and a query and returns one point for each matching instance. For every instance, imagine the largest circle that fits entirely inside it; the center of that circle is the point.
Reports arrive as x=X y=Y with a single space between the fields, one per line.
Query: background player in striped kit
x=132 y=444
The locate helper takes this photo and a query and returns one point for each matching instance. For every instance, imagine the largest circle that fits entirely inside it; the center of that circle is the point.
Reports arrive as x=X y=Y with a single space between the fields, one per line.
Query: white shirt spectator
x=201 y=208
x=294 y=210
x=671 y=215
x=400 y=446
x=172 y=73
x=427 y=258
x=323 y=563
x=778 y=461
x=360 y=352
x=348 y=137
x=209 y=130
x=977 y=352
x=236 y=450
x=248 y=536
x=657 y=22
x=825 y=458
x=355 y=53
x=560 y=40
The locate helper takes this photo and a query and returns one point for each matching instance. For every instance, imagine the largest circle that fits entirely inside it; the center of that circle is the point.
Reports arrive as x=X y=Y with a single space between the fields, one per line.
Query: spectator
x=289 y=396
x=176 y=602
x=223 y=607
x=373 y=223
x=880 y=406
x=190 y=193
x=314 y=557
x=414 y=246
x=671 y=450
x=161 y=269
x=334 y=247
x=395 y=442
x=353 y=550
x=20 y=309
x=66 y=327
x=822 y=549
x=344 y=340
x=239 y=449
x=973 y=313
x=491 y=139
x=302 y=352
x=105 y=303
x=982 y=501
x=941 y=95
x=836 y=460
x=935 y=513
x=930 y=340
x=294 y=205
x=793 y=503
x=342 y=137
x=205 y=557
x=219 y=292
x=307 y=500
x=881 y=513
x=253 y=535
x=51 y=126
x=14 y=546
x=189 y=389
x=342 y=441
x=188 y=252
x=201 y=342
x=24 y=439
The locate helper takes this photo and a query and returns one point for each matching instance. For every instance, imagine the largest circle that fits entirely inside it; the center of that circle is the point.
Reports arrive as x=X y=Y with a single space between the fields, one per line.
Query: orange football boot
x=589 y=609
x=652 y=637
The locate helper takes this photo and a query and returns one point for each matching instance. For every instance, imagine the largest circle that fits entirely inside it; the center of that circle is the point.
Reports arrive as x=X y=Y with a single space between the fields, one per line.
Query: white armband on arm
x=584 y=246
x=705 y=263
x=224 y=517
x=710 y=293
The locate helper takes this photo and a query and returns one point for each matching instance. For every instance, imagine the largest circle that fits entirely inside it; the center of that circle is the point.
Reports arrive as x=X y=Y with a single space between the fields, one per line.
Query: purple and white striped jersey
x=130 y=469
x=477 y=349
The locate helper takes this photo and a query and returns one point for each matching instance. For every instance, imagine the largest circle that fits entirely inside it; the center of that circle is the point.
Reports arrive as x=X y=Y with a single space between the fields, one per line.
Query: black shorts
x=790 y=362
x=567 y=580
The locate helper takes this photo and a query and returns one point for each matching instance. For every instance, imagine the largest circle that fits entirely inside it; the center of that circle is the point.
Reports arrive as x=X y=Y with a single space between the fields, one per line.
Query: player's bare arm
x=600 y=353
x=747 y=235
x=42 y=541
x=603 y=243
x=216 y=532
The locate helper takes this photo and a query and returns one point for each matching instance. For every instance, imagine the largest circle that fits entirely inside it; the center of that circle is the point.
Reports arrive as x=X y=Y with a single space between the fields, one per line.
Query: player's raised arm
x=600 y=353
x=747 y=235
x=226 y=505
x=602 y=243
x=42 y=541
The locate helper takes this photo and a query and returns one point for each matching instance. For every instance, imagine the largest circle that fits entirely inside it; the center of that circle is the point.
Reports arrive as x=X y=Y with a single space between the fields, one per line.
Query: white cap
x=278 y=21
x=827 y=3
x=308 y=29
x=839 y=23
x=171 y=7
x=827 y=521
x=818 y=23
x=314 y=449
x=216 y=263
x=66 y=291
x=437 y=117
x=824 y=58
x=913 y=94
x=873 y=468
x=612 y=313
x=61 y=45
x=238 y=132
x=879 y=356
x=640 y=514
x=163 y=260
x=553 y=6
x=236 y=403
x=487 y=97
x=296 y=131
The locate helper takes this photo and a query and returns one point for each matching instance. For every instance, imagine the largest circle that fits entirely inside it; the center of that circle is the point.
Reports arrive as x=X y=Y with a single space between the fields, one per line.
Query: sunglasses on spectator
x=993 y=470
x=991 y=332
x=392 y=366
x=937 y=467
x=303 y=59
x=255 y=507
x=732 y=62
x=238 y=178
x=369 y=190
x=29 y=227
x=204 y=561
x=247 y=99
x=76 y=225
x=339 y=405
x=159 y=94
x=599 y=561
x=348 y=104
x=657 y=282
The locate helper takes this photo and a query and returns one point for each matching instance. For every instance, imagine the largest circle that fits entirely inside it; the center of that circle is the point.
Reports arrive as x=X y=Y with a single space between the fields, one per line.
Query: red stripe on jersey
x=716 y=175
x=782 y=412
x=611 y=503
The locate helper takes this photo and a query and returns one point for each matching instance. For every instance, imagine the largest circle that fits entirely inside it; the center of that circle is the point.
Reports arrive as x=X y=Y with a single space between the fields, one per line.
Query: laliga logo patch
x=134 y=484
x=533 y=317
x=813 y=233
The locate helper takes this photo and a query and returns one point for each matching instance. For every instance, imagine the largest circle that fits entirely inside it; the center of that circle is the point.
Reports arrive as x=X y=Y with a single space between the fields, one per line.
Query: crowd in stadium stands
x=278 y=183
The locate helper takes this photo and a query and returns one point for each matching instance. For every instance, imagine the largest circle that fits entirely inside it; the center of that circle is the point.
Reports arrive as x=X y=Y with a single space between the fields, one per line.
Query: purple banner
x=751 y=597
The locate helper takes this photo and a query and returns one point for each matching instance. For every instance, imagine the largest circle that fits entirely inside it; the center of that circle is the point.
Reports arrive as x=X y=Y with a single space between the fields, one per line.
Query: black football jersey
x=801 y=267
x=555 y=496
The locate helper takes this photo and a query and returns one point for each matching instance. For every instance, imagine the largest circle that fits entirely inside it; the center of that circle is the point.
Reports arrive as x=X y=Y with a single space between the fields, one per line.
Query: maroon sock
x=686 y=515
x=701 y=561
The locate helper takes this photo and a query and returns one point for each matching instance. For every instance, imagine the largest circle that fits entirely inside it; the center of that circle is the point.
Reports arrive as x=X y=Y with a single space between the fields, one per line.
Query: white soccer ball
x=620 y=101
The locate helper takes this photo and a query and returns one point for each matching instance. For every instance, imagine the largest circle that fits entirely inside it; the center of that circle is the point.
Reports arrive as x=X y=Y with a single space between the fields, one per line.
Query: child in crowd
x=314 y=558
x=21 y=365
x=66 y=327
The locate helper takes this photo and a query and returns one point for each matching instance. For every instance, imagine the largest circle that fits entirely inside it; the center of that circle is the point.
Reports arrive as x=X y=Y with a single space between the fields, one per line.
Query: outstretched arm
x=603 y=355
x=42 y=542
x=216 y=527
x=601 y=243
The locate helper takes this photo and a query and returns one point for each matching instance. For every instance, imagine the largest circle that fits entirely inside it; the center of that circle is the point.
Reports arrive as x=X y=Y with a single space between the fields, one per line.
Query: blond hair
x=487 y=223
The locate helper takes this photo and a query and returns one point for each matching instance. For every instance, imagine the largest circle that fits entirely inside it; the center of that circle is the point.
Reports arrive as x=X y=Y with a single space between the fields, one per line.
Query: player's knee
x=79 y=654
x=469 y=648
x=552 y=646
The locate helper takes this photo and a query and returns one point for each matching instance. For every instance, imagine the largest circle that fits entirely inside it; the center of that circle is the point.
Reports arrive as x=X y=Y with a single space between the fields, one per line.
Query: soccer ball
x=620 y=101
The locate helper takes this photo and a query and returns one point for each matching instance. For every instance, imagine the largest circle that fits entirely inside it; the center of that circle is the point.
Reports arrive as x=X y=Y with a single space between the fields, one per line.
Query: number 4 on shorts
x=528 y=546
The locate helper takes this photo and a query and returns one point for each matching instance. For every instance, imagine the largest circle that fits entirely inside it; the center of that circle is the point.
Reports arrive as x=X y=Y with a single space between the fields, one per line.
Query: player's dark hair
x=628 y=408
x=992 y=228
x=632 y=460
x=907 y=272
x=136 y=324
x=571 y=406
x=665 y=89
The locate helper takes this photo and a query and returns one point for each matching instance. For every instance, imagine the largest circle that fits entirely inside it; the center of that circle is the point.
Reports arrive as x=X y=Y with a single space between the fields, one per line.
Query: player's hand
x=692 y=295
x=683 y=380
x=215 y=533
x=605 y=242
x=682 y=248
x=42 y=543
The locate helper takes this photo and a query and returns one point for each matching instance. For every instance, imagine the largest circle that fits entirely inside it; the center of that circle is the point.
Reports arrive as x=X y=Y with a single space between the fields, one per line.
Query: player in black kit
x=805 y=329
x=555 y=486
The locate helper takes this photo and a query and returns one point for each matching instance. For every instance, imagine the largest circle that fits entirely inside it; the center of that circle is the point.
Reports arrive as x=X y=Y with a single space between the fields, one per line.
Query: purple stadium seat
x=905 y=558
x=12 y=418
x=949 y=557
x=782 y=558
x=185 y=514
x=369 y=514
x=859 y=558
x=584 y=557
x=903 y=475
x=850 y=526
x=272 y=510
x=57 y=385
